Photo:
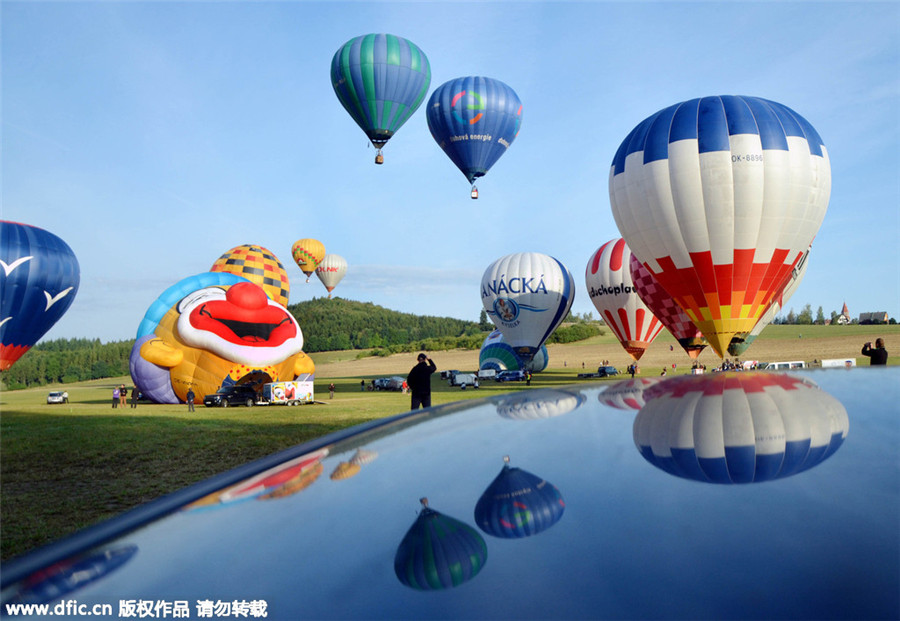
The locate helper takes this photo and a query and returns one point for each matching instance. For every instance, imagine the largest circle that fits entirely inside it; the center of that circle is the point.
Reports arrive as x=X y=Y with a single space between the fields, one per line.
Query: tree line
x=805 y=318
x=327 y=324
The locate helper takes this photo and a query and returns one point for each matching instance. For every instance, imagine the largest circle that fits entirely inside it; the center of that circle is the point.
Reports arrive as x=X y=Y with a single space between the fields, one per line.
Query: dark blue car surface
x=563 y=503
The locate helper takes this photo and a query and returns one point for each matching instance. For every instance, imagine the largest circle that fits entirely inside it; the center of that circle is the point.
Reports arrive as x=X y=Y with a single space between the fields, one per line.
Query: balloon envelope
x=439 y=552
x=331 y=270
x=39 y=280
x=518 y=504
x=666 y=310
x=738 y=427
x=381 y=80
x=496 y=354
x=608 y=281
x=527 y=295
x=719 y=197
x=308 y=253
x=474 y=120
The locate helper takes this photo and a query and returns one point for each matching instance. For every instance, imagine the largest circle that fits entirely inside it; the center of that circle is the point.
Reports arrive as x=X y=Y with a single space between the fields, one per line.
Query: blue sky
x=153 y=137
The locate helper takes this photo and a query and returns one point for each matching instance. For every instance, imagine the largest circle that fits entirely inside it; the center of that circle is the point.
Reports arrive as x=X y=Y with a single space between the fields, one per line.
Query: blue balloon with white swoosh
x=39 y=277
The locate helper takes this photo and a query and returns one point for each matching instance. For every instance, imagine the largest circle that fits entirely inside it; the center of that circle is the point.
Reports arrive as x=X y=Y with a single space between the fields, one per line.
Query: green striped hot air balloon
x=381 y=80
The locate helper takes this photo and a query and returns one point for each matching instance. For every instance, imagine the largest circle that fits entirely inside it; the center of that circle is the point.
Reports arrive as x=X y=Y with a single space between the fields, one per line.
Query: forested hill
x=336 y=323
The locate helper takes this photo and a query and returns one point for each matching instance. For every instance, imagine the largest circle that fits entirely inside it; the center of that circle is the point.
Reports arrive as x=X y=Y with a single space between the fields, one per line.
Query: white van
x=784 y=366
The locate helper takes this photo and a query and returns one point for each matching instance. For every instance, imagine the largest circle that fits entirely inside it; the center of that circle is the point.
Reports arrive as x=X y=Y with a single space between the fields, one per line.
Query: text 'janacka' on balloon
x=608 y=281
x=381 y=80
x=38 y=282
x=527 y=295
x=474 y=120
x=720 y=197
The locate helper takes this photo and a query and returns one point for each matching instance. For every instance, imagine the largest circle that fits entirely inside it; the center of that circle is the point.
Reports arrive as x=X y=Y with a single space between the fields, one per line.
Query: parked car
x=607 y=371
x=389 y=383
x=58 y=397
x=510 y=376
x=445 y=375
x=237 y=394
x=462 y=379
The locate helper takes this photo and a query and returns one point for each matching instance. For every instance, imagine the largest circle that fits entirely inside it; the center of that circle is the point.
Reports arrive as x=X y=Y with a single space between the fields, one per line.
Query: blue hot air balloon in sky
x=381 y=80
x=439 y=552
x=474 y=120
x=39 y=278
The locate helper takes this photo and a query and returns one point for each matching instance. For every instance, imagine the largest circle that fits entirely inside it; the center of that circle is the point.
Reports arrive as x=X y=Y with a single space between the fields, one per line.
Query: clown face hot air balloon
x=308 y=253
x=527 y=295
x=608 y=281
x=381 y=80
x=38 y=284
x=739 y=345
x=331 y=271
x=719 y=198
x=439 y=552
x=742 y=427
x=518 y=504
x=258 y=265
x=666 y=310
x=474 y=120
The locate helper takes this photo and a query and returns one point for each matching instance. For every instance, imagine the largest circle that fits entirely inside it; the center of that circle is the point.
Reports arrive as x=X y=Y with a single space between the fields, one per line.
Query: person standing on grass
x=877 y=355
x=134 y=396
x=331 y=390
x=419 y=381
x=123 y=396
x=115 y=397
x=189 y=397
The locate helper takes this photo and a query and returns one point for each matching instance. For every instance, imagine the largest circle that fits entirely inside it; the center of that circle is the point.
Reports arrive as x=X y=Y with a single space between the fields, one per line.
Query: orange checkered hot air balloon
x=308 y=253
x=719 y=198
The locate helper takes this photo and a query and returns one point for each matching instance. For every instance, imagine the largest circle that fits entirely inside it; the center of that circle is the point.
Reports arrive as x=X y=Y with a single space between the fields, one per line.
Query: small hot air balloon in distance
x=439 y=552
x=308 y=253
x=527 y=295
x=474 y=120
x=381 y=80
x=666 y=310
x=738 y=427
x=720 y=197
x=518 y=504
x=331 y=270
x=38 y=283
x=608 y=281
x=259 y=265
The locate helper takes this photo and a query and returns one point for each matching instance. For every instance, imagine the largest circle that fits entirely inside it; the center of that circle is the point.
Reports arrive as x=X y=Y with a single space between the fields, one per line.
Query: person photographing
x=878 y=354
x=419 y=382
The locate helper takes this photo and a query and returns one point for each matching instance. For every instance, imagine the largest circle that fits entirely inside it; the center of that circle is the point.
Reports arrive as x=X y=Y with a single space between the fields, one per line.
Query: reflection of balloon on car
x=439 y=552
x=211 y=330
x=497 y=355
x=518 y=504
x=308 y=253
x=381 y=80
x=627 y=394
x=608 y=281
x=331 y=271
x=533 y=405
x=719 y=198
x=474 y=120
x=738 y=427
x=527 y=295
x=38 y=283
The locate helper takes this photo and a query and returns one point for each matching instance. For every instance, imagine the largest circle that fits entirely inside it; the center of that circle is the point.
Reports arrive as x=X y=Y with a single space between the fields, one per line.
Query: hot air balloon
x=719 y=197
x=608 y=281
x=518 y=504
x=439 y=552
x=308 y=253
x=474 y=120
x=258 y=265
x=527 y=295
x=331 y=270
x=381 y=80
x=739 y=345
x=738 y=427
x=496 y=354
x=39 y=282
x=534 y=405
x=627 y=394
x=666 y=310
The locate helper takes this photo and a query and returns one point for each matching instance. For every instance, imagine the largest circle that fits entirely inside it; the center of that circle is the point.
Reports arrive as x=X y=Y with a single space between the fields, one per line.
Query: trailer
x=288 y=393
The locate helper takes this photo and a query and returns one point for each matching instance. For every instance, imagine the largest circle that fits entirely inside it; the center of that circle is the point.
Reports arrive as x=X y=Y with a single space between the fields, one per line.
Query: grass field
x=63 y=467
